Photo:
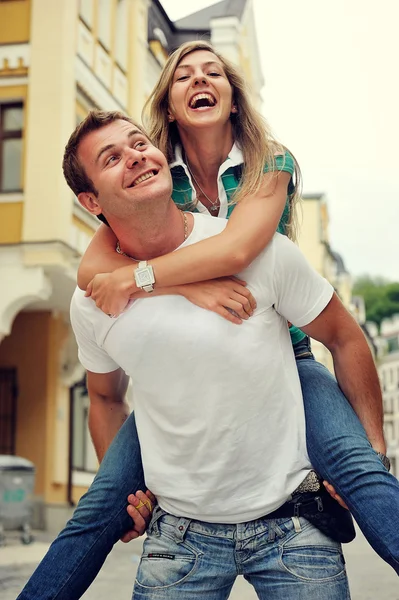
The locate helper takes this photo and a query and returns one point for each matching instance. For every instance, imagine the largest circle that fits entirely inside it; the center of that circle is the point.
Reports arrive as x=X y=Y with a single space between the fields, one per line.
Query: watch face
x=144 y=277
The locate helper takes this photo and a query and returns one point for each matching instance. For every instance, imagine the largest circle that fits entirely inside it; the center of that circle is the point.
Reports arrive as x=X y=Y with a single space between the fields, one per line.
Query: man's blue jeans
x=189 y=559
x=338 y=449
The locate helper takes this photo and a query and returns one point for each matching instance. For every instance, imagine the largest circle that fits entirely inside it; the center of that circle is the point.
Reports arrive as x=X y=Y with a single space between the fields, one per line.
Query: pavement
x=370 y=578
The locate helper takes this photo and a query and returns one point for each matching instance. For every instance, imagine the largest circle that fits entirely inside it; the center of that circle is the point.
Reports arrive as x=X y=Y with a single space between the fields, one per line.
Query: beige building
x=314 y=241
x=388 y=369
x=58 y=59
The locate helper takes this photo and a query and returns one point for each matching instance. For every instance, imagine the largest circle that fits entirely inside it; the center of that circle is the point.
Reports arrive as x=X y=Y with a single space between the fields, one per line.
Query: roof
x=339 y=261
x=201 y=19
x=314 y=196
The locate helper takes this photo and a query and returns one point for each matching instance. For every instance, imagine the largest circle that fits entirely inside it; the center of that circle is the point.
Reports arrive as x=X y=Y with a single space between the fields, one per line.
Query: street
x=370 y=578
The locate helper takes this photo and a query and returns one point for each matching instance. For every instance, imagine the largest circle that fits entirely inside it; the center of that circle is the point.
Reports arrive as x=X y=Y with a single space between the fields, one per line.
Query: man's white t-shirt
x=218 y=406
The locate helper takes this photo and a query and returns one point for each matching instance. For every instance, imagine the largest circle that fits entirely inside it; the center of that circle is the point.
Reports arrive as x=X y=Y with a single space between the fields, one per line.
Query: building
x=59 y=59
x=314 y=241
x=230 y=27
x=388 y=370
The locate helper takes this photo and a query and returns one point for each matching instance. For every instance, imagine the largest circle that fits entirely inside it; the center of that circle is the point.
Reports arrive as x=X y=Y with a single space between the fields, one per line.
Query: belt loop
x=272 y=531
x=297 y=524
x=180 y=529
x=156 y=515
x=297 y=506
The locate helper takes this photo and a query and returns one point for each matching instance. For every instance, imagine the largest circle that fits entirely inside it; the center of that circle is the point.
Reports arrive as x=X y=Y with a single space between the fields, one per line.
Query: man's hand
x=227 y=296
x=140 y=509
x=331 y=490
x=111 y=291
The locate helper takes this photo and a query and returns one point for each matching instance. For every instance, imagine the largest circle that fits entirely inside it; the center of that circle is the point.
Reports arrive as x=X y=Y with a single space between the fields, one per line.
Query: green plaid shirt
x=229 y=176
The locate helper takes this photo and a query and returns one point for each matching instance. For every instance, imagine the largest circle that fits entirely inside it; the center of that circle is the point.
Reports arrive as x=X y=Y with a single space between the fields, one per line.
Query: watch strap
x=385 y=460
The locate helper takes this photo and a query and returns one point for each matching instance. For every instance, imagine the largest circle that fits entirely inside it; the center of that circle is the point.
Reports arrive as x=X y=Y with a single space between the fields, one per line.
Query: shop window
x=11 y=127
x=83 y=453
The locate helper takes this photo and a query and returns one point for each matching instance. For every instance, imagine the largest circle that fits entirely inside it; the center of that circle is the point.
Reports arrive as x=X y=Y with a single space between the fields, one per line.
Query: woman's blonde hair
x=250 y=130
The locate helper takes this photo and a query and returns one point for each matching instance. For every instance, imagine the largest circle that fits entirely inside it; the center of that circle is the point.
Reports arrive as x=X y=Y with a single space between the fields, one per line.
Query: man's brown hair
x=74 y=173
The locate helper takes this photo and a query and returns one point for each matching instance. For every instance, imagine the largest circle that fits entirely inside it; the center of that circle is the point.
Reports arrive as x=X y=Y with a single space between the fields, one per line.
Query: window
x=11 y=126
x=83 y=453
x=86 y=12
x=393 y=343
x=121 y=34
x=104 y=22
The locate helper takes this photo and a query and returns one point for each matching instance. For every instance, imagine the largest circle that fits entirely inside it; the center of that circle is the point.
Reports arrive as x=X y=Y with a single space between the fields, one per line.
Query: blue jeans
x=338 y=449
x=341 y=453
x=189 y=560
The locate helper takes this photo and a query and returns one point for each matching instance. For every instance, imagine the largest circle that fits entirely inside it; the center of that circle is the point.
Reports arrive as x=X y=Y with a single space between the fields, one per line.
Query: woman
x=199 y=115
x=200 y=95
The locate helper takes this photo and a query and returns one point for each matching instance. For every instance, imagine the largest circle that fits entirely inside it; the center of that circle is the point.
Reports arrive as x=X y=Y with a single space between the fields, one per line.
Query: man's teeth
x=143 y=177
x=202 y=97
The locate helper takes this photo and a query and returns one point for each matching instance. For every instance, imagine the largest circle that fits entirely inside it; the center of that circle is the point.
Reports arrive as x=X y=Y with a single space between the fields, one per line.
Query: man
x=218 y=407
x=208 y=412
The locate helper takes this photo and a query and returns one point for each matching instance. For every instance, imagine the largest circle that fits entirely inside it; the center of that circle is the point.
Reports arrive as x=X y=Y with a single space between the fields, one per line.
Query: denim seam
x=165 y=587
x=309 y=579
x=184 y=543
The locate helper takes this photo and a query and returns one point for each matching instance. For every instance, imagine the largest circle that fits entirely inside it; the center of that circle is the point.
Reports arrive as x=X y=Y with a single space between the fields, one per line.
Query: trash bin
x=17 y=480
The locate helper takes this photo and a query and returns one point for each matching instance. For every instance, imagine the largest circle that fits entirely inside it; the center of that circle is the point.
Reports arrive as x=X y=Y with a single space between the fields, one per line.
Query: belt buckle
x=311 y=483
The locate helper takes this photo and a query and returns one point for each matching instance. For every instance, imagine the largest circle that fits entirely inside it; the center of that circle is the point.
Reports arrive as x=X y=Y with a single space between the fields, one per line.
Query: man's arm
x=354 y=366
x=108 y=407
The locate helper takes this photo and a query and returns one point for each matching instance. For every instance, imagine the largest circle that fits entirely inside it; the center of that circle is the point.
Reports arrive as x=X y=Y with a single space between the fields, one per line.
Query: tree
x=381 y=297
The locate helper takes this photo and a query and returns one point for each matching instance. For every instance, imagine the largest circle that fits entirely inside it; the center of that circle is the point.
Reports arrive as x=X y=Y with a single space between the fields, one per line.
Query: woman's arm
x=100 y=256
x=249 y=230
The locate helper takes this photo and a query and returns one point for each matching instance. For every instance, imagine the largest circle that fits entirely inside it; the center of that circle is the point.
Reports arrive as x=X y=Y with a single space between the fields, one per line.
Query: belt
x=300 y=505
x=297 y=509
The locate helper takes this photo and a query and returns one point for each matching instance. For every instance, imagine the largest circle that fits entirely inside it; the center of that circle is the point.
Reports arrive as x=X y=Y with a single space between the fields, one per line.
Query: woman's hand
x=228 y=297
x=111 y=291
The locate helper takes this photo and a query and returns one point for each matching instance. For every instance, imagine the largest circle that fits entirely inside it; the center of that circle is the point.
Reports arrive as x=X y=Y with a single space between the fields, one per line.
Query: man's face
x=126 y=170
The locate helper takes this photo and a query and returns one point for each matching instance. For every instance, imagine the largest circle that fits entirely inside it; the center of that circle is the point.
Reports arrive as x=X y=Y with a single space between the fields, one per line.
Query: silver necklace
x=185 y=225
x=214 y=203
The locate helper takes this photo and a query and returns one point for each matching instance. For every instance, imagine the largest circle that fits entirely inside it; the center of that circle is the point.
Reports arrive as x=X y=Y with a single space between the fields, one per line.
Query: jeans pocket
x=313 y=563
x=165 y=563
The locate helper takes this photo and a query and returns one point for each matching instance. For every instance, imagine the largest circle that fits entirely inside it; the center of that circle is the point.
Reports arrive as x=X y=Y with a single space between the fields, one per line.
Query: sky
x=331 y=95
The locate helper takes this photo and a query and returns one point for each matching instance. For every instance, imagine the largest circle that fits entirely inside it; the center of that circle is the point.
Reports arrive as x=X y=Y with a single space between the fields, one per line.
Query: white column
x=50 y=119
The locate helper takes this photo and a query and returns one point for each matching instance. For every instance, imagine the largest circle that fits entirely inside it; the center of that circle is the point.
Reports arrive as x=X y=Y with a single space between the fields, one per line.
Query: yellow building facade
x=57 y=61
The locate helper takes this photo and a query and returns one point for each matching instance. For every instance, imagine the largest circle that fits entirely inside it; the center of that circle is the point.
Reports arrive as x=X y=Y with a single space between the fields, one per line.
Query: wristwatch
x=385 y=460
x=144 y=276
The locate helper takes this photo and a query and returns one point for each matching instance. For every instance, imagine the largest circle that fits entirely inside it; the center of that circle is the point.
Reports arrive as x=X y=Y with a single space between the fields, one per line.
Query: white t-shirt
x=218 y=406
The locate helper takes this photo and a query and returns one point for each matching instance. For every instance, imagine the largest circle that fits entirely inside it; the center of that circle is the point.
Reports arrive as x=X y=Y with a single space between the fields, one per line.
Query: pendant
x=214 y=208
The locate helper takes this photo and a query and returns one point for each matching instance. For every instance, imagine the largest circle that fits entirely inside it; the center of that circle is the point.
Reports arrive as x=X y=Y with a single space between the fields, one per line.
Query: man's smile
x=143 y=177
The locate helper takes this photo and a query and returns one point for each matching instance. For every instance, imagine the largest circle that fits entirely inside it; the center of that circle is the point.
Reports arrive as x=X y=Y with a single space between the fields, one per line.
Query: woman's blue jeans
x=338 y=449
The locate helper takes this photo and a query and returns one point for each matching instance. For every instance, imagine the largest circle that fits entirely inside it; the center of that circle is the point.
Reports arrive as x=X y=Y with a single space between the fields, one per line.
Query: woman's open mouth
x=202 y=100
